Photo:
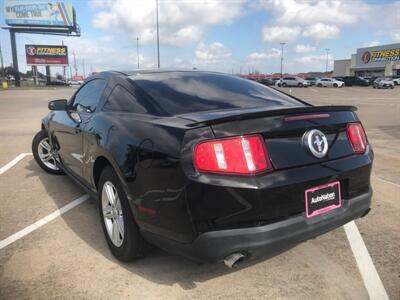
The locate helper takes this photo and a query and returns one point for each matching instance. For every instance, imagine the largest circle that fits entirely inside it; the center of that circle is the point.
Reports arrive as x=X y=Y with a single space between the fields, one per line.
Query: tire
x=319 y=84
x=335 y=85
x=284 y=84
x=41 y=150
x=300 y=85
x=128 y=244
x=279 y=85
x=392 y=87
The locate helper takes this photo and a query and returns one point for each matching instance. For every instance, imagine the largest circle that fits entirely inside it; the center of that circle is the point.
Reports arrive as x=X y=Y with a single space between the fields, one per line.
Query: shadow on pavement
x=158 y=266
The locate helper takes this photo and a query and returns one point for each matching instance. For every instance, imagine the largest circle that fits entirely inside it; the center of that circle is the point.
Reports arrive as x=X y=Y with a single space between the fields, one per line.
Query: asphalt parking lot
x=68 y=257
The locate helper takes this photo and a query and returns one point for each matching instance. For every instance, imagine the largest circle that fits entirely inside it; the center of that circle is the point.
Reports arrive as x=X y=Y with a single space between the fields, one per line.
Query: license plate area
x=323 y=198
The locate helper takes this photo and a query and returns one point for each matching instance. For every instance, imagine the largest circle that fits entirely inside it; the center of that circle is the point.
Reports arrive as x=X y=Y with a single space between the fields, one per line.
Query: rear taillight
x=244 y=155
x=357 y=137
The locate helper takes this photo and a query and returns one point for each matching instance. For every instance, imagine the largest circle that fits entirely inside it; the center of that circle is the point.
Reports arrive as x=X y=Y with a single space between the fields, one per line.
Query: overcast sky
x=220 y=35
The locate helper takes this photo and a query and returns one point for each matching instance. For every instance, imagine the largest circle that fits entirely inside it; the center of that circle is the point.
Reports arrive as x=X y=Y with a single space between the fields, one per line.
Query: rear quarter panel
x=145 y=152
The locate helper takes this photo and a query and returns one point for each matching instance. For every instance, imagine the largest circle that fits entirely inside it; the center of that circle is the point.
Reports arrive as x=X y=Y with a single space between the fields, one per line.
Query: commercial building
x=381 y=60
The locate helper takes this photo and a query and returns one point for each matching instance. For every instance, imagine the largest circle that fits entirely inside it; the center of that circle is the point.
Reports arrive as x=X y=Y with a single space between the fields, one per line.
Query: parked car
x=383 y=83
x=355 y=81
x=312 y=80
x=292 y=81
x=329 y=82
x=396 y=80
x=207 y=165
x=57 y=82
x=275 y=80
x=266 y=81
x=338 y=78
x=370 y=79
x=75 y=82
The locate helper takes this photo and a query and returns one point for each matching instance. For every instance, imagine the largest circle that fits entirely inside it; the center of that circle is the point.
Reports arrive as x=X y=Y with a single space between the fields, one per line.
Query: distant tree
x=10 y=71
x=59 y=76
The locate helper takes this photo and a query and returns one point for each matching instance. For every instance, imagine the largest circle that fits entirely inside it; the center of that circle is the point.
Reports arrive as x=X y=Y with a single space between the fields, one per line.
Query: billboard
x=46 y=55
x=377 y=57
x=39 y=14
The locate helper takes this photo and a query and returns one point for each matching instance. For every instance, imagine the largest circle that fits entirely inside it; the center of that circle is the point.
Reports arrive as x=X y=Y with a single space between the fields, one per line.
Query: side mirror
x=60 y=104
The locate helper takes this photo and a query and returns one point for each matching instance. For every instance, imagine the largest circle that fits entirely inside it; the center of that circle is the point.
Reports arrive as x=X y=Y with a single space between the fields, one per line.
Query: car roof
x=153 y=71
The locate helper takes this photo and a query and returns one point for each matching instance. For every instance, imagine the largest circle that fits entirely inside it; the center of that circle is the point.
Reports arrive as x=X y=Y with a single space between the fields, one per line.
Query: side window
x=121 y=99
x=89 y=95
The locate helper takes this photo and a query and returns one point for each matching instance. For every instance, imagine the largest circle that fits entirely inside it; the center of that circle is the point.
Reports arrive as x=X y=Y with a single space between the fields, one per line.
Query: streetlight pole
x=282 y=44
x=2 y=65
x=137 y=51
x=158 y=37
x=64 y=72
x=75 y=66
x=327 y=59
x=84 y=70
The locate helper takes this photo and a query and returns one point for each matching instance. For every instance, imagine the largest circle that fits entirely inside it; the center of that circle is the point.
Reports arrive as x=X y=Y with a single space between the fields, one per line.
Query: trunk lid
x=284 y=130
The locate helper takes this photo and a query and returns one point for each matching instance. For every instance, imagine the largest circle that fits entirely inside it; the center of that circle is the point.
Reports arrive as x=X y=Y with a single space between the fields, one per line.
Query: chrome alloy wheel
x=112 y=213
x=47 y=155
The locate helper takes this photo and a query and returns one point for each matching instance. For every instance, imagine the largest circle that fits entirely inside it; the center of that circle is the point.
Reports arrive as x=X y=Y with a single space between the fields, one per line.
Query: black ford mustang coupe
x=207 y=165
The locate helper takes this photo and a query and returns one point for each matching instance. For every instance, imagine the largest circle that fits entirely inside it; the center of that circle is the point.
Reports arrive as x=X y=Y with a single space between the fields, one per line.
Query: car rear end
x=256 y=187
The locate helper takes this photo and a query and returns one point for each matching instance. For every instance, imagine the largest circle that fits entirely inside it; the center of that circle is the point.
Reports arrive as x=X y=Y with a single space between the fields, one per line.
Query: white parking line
x=20 y=234
x=13 y=162
x=387 y=181
x=370 y=276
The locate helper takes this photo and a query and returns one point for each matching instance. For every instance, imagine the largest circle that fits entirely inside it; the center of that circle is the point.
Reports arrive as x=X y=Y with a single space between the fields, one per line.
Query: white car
x=292 y=81
x=396 y=80
x=384 y=83
x=328 y=82
x=75 y=82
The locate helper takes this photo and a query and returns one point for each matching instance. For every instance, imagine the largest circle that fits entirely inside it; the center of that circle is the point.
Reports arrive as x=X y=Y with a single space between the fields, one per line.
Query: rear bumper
x=216 y=245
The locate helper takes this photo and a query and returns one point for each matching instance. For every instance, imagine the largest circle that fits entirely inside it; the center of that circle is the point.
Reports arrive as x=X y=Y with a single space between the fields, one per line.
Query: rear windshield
x=187 y=92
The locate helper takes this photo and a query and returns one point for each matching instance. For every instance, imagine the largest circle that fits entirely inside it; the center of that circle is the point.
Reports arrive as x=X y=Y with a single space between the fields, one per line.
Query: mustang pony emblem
x=315 y=141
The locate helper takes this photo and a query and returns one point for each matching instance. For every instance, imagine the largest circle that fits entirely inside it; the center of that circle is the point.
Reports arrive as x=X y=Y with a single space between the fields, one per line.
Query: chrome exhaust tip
x=233 y=260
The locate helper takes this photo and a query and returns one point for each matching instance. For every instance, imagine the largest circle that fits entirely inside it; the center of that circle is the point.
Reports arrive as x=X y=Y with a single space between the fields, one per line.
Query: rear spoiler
x=216 y=117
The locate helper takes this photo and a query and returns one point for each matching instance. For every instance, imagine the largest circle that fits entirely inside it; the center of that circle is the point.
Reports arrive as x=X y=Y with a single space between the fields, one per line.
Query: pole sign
x=39 y=14
x=39 y=55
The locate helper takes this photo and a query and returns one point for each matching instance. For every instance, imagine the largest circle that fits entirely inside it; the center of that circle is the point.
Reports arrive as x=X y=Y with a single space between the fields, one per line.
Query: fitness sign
x=46 y=55
x=381 y=55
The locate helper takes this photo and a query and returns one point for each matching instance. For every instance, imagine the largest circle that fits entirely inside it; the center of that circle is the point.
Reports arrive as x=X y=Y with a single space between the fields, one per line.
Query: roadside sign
x=38 y=55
